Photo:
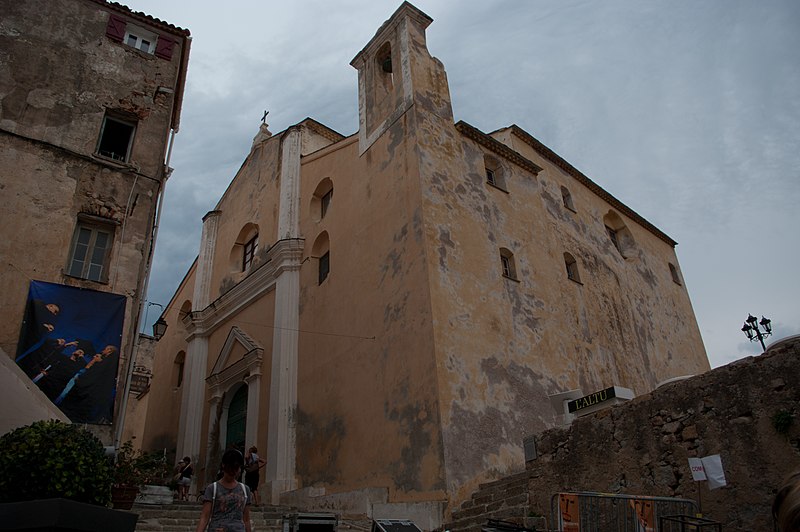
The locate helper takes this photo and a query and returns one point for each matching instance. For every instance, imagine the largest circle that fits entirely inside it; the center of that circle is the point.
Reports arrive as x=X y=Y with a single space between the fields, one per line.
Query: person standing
x=226 y=502
x=252 y=464
x=185 y=480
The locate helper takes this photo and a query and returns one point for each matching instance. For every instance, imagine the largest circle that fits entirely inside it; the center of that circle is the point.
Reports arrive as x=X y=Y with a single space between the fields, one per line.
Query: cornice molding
x=284 y=255
x=497 y=147
x=561 y=163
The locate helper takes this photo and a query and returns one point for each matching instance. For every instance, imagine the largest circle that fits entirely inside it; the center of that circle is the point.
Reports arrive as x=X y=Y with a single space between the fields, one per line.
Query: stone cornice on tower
x=497 y=147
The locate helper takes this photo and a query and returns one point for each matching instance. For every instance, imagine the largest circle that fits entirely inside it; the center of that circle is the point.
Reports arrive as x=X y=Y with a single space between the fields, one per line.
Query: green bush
x=51 y=459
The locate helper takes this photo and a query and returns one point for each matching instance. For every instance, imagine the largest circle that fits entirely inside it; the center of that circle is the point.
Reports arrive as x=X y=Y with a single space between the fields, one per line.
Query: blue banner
x=69 y=346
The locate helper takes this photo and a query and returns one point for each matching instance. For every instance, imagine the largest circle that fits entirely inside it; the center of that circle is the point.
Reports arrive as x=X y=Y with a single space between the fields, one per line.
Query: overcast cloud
x=687 y=111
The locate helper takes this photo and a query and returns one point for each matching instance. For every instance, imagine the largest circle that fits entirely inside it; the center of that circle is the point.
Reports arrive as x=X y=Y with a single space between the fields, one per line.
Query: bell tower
x=394 y=70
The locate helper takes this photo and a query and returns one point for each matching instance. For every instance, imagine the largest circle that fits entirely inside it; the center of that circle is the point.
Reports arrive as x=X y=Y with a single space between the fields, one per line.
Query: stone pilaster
x=281 y=443
x=253 y=407
x=196 y=363
x=289 y=211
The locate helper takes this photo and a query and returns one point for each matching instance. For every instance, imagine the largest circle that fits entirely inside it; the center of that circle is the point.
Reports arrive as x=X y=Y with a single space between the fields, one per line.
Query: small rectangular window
x=324 y=266
x=91 y=252
x=140 y=38
x=490 y=177
x=116 y=138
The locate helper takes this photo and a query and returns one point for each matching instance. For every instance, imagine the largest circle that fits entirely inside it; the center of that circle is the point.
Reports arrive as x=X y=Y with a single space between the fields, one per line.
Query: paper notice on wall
x=713 y=469
x=708 y=468
x=698 y=472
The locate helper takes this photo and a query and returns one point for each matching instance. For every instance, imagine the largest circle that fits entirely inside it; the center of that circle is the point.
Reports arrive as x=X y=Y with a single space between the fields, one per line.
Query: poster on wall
x=69 y=346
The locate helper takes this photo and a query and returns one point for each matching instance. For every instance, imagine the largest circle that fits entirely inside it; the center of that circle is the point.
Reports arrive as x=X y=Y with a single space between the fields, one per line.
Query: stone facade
x=90 y=93
x=388 y=314
x=642 y=447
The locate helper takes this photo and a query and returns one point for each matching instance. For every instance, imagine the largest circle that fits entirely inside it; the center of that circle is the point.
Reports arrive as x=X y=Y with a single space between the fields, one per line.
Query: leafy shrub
x=51 y=459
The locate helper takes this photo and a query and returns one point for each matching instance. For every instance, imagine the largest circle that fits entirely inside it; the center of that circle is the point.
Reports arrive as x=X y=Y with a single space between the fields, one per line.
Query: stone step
x=473 y=522
x=182 y=516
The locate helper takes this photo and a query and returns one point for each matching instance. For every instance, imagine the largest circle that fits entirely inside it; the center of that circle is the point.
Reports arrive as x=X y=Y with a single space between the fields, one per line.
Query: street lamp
x=751 y=329
x=159 y=328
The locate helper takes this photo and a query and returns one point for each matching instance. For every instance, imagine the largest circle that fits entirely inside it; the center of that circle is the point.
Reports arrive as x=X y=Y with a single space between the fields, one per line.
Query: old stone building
x=386 y=315
x=90 y=100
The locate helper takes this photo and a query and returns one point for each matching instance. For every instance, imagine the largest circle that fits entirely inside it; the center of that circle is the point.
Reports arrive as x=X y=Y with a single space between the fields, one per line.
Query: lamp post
x=753 y=332
x=160 y=326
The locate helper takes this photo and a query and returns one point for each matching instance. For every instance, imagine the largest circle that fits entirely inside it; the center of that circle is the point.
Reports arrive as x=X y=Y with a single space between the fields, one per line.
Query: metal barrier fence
x=614 y=512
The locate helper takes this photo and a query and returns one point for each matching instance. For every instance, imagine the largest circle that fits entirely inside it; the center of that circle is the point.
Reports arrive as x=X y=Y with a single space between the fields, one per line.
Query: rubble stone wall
x=739 y=411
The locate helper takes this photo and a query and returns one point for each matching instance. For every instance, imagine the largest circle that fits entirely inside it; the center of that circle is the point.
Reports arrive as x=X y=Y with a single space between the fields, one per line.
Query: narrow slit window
x=325 y=203
x=324 y=266
x=566 y=197
x=507 y=264
x=612 y=234
x=572 y=268
x=676 y=278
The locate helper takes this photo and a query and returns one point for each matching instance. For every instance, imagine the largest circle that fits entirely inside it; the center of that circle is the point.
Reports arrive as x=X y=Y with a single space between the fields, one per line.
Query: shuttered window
x=120 y=31
x=116 y=28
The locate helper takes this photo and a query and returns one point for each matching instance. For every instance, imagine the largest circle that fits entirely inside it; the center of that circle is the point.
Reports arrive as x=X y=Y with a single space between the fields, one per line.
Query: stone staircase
x=503 y=500
x=183 y=517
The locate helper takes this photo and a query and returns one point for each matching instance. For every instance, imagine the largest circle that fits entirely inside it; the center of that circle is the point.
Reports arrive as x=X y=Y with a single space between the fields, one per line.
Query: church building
x=387 y=315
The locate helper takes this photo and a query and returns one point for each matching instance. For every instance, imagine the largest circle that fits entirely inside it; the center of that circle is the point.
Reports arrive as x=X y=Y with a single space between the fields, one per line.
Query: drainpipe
x=135 y=348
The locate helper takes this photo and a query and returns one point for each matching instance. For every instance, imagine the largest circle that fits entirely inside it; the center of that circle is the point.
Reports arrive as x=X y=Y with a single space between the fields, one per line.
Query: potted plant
x=128 y=476
x=157 y=478
x=56 y=476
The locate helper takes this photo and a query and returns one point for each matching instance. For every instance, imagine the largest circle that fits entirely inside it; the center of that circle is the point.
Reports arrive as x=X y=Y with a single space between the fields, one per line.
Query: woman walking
x=252 y=464
x=226 y=502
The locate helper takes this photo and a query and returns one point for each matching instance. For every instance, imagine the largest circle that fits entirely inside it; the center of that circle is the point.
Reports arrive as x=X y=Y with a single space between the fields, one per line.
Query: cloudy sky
x=688 y=111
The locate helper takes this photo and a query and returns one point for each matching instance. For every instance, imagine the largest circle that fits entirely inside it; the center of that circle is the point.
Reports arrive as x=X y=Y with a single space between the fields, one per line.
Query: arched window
x=676 y=278
x=185 y=309
x=507 y=263
x=619 y=234
x=244 y=250
x=321 y=199
x=321 y=251
x=385 y=68
x=566 y=197
x=495 y=174
x=572 y=268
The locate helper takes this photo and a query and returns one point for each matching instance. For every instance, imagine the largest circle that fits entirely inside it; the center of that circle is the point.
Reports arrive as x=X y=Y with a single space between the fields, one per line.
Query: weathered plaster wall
x=367 y=413
x=59 y=73
x=504 y=345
